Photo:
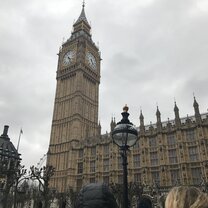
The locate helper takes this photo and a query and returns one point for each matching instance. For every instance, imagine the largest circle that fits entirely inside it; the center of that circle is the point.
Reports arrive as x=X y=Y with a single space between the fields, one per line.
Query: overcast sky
x=153 y=51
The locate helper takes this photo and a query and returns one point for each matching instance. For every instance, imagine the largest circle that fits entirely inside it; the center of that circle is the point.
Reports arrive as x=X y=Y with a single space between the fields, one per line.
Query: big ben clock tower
x=75 y=115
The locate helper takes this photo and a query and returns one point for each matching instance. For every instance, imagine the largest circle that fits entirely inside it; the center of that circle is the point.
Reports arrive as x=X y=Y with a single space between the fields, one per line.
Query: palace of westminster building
x=171 y=152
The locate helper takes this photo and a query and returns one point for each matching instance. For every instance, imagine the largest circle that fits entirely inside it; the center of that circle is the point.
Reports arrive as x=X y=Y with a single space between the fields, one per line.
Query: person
x=95 y=195
x=145 y=203
x=186 y=197
x=161 y=201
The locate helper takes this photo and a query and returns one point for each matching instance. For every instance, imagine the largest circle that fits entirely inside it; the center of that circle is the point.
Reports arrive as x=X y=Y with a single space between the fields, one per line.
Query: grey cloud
x=152 y=52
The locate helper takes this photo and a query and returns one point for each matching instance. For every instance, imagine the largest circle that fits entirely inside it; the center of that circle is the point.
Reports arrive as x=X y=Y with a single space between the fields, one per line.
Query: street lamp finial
x=125 y=108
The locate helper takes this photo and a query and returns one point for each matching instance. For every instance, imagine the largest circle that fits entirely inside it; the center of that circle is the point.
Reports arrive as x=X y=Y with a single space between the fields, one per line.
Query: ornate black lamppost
x=125 y=135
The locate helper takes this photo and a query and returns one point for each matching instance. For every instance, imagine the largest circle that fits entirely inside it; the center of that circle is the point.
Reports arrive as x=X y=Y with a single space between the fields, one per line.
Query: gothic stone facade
x=168 y=156
x=167 y=153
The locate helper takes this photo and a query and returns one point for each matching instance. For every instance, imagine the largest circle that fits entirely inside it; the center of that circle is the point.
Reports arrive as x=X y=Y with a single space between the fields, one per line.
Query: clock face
x=68 y=57
x=91 y=60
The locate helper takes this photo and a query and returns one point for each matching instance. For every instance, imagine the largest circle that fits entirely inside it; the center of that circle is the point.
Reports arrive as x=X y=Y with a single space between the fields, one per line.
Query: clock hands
x=91 y=60
x=68 y=57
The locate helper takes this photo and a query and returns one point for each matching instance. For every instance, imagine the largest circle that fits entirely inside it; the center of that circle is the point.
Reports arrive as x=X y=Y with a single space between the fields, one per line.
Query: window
x=152 y=142
x=81 y=153
x=196 y=175
x=136 y=146
x=92 y=166
x=106 y=149
x=193 y=154
x=80 y=168
x=156 y=177
x=106 y=179
x=92 y=180
x=174 y=176
x=172 y=156
x=120 y=166
x=120 y=179
x=136 y=159
x=190 y=135
x=79 y=184
x=106 y=165
x=93 y=151
x=153 y=158
x=137 y=177
x=171 y=140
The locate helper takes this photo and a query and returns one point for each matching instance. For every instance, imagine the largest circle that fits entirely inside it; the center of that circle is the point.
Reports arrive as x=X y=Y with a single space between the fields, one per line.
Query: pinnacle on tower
x=82 y=16
x=197 y=113
x=141 y=116
x=158 y=114
x=113 y=123
x=81 y=25
x=99 y=128
x=141 y=128
x=159 y=123
x=177 y=117
x=195 y=104
x=176 y=109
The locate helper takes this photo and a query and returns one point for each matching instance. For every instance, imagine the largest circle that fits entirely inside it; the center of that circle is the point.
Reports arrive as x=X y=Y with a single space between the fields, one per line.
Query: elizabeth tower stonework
x=75 y=115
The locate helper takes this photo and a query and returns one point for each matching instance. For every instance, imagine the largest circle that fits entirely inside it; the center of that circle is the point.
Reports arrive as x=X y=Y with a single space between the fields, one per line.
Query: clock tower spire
x=75 y=115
